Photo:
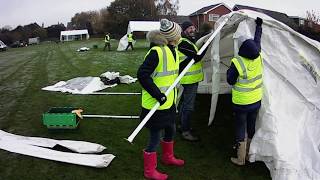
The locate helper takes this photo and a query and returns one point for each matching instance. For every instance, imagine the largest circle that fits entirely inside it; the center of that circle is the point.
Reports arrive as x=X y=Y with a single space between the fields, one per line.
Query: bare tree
x=123 y=11
x=7 y=27
x=311 y=28
x=313 y=17
x=86 y=20
x=167 y=7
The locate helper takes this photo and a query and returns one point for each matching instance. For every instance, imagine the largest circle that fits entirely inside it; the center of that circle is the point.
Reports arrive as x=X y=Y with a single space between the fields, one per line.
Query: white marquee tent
x=74 y=35
x=287 y=135
x=143 y=26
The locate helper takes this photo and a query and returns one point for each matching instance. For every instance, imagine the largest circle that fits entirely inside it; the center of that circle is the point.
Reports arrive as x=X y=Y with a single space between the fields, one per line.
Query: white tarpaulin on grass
x=82 y=49
x=34 y=146
x=88 y=85
x=76 y=146
x=287 y=135
x=143 y=26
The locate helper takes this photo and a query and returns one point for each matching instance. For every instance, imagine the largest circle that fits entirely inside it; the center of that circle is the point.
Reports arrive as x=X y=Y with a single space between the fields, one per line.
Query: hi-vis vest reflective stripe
x=195 y=73
x=163 y=76
x=248 y=88
x=107 y=38
x=130 y=39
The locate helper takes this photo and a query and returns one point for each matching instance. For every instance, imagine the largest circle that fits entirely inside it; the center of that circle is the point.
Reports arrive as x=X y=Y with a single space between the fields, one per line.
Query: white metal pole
x=155 y=107
x=113 y=93
x=109 y=116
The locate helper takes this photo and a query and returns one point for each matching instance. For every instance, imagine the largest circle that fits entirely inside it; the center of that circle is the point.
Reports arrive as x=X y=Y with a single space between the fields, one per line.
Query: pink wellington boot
x=150 y=165
x=168 y=155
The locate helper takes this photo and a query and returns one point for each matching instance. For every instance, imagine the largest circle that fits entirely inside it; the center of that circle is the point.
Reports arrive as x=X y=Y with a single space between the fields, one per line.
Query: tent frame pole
x=112 y=93
x=109 y=116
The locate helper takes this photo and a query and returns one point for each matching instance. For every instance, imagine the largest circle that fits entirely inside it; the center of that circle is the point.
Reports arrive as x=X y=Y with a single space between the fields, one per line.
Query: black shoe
x=189 y=137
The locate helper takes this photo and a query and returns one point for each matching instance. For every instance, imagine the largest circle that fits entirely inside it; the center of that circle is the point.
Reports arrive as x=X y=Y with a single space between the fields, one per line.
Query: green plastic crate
x=61 y=118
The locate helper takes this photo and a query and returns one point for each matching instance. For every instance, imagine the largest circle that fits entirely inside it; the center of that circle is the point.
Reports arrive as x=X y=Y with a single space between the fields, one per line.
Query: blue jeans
x=169 y=132
x=245 y=122
x=187 y=105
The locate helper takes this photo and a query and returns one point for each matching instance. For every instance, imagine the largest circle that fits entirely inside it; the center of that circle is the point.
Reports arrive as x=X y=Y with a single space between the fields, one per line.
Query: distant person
x=245 y=76
x=158 y=71
x=187 y=51
x=107 y=42
x=130 y=41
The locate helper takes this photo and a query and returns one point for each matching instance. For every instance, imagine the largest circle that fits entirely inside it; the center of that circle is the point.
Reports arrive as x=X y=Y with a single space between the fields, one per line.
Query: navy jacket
x=249 y=49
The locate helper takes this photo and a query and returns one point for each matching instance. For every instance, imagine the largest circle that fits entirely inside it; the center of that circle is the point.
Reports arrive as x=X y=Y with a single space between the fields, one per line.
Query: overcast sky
x=23 y=12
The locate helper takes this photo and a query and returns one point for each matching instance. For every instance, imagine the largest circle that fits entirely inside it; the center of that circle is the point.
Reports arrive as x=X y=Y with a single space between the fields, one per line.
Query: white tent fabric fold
x=287 y=135
x=92 y=160
x=76 y=146
x=34 y=146
x=143 y=26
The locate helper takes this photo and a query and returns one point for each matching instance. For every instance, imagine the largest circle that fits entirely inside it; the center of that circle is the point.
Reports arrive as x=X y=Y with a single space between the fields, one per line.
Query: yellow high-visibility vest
x=195 y=73
x=130 y=37
x=248 y=88
x=163 y=76
x=107 y=38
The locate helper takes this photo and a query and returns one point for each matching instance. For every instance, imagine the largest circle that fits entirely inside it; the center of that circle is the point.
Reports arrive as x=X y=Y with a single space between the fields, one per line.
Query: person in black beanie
x=187 y=51
x=245 y=76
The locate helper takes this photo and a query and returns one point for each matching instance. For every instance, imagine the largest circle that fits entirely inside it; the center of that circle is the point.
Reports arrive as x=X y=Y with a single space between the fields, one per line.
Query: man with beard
x=188 y=50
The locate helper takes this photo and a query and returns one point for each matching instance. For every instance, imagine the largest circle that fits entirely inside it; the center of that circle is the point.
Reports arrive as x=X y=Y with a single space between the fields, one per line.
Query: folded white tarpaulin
x=83 y=49
x=76 y=146
x=287 y=135
x=87 y=85
x=92 y=160
x=34 y=146
x=143 y=26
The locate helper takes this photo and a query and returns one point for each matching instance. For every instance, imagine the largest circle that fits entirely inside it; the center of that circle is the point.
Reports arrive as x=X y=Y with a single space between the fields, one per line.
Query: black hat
x=186 y=24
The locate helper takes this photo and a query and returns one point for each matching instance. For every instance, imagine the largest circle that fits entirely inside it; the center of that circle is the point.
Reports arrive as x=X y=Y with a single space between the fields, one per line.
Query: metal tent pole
x=109 y=116
x=113 y=93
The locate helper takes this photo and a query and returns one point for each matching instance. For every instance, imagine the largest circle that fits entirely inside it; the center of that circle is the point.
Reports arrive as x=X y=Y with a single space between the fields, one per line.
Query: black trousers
x=129 y=45
x=107 y=44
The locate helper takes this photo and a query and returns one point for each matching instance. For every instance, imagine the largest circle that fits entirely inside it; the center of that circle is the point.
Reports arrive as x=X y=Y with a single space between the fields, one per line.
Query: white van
x=3 y=47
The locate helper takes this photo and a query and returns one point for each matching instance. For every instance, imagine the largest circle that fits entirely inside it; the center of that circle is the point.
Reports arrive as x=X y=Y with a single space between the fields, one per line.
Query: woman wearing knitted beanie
x=158 y=71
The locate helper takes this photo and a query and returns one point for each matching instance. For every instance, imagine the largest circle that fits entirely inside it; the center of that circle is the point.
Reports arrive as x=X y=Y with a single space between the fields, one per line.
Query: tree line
x=113 y=19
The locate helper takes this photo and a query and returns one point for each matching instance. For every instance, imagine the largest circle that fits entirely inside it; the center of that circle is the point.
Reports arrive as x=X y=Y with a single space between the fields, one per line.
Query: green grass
x=24 y=71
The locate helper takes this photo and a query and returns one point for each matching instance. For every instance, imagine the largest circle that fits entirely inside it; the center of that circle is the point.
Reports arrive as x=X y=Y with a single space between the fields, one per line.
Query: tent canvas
x=143 y=26
x=73 y=34
x=287 y=137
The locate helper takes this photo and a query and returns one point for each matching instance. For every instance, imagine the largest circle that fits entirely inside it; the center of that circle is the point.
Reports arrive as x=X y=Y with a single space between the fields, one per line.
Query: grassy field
x=24 y=71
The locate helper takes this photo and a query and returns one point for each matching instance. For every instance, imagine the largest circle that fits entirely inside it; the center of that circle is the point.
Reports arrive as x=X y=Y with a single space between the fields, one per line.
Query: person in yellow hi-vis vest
x=187 y=51
x=107 y=42
x=130 y=40
x=245 y=76
x=156 y=74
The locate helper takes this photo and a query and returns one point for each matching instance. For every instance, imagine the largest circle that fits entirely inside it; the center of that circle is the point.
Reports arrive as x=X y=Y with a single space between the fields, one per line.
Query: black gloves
x=162 y=99
x=259 y=21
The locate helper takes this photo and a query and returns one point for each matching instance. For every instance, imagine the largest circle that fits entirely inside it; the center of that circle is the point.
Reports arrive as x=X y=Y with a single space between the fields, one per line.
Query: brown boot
x=247 y=149
x=241 y=154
